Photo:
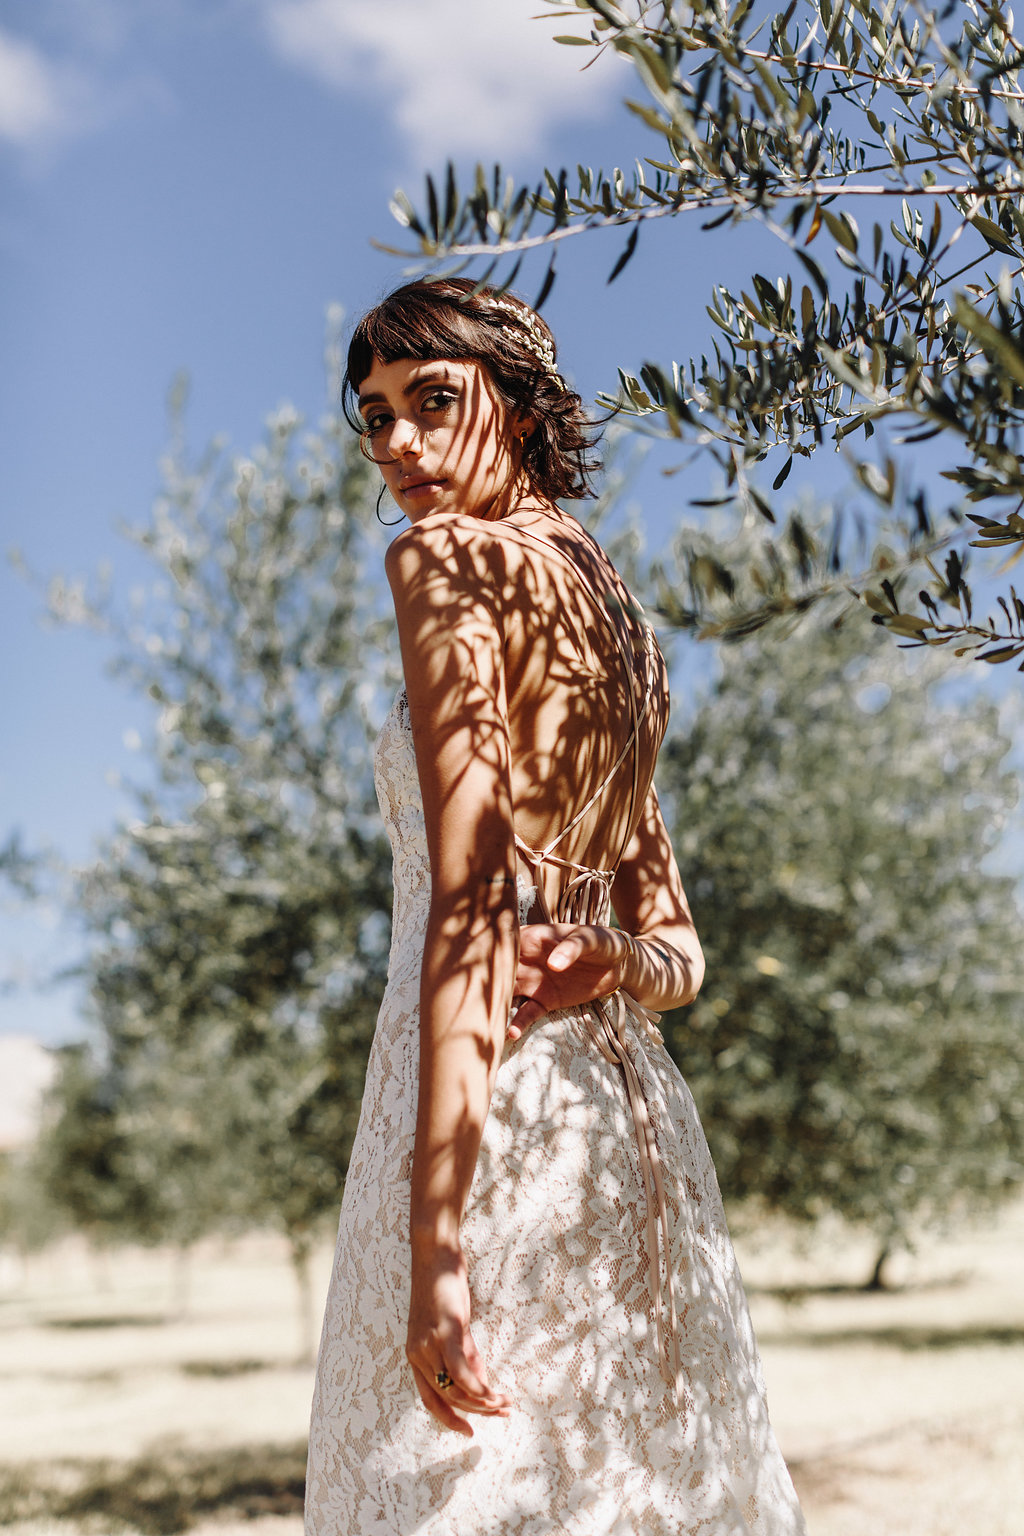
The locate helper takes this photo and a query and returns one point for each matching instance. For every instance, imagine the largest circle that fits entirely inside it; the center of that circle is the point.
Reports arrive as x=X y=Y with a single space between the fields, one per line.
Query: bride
x=535 y=1321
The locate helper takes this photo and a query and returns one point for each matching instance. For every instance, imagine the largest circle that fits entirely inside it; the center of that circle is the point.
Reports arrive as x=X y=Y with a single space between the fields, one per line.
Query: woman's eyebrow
x=428 y=377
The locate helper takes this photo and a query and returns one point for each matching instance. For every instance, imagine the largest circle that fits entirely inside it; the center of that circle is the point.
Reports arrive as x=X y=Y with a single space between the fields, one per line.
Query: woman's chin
x=417 y=500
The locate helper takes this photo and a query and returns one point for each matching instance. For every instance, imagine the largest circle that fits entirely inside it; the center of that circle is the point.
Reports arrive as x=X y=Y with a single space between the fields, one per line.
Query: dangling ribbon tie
x=608 y=1017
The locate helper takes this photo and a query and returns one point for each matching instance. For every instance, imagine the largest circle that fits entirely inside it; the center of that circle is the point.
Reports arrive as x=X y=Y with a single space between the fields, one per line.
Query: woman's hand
x=439 y=1341
x=562 y=965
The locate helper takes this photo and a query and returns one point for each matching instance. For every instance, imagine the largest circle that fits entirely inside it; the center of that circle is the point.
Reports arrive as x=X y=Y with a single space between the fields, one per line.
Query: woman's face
x=441 y=437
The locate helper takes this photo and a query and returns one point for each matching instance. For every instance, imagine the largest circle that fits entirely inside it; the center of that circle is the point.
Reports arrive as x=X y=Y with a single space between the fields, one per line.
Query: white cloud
x=31 y=104
x=71 y=77
x=454 y=75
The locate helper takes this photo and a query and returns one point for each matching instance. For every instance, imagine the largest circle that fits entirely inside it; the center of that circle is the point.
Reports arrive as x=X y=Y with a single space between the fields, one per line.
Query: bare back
x=537 y=696
x=587 y=700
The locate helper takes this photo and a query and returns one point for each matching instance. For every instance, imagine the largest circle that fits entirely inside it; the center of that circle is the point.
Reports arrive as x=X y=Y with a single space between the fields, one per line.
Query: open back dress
x=606 y=1298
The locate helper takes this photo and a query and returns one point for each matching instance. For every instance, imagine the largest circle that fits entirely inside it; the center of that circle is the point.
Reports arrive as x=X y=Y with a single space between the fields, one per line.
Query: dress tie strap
x=585 y=898
x=607 y=1017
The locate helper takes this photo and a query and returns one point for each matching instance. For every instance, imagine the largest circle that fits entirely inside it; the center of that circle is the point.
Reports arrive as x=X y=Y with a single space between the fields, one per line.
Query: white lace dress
x=555 y=1237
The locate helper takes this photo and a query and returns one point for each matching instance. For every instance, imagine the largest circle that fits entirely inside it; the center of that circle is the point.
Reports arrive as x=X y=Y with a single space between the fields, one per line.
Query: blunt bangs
x=416 y=326
x=449 y=320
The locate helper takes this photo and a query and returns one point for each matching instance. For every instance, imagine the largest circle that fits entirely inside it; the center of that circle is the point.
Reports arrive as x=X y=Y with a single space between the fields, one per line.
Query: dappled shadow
x=164 y=1492
x=128 y=1320
x=225 y=1368
x=107 y=1376
x=209 y=1369
x=897 y=1337
x=574 y=671
x=805 y=1291
x=834 y=1471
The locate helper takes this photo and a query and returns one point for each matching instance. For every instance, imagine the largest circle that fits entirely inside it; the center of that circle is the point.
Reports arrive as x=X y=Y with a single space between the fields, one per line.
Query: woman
x=532 y=1234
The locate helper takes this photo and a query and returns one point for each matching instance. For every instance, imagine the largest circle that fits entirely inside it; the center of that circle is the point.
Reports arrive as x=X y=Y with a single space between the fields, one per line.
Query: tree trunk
x=877 y=1281
x=301 y=1249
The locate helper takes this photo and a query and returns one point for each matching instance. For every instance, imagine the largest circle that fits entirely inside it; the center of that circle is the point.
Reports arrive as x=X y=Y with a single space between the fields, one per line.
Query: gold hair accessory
x=536 y=341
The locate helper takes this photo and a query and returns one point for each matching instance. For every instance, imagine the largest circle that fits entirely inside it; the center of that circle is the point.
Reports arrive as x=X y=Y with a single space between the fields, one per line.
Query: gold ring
x=443 y=1380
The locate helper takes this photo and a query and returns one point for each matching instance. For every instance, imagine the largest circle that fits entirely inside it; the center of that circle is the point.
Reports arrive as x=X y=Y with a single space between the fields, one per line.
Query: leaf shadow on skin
x=569 y=712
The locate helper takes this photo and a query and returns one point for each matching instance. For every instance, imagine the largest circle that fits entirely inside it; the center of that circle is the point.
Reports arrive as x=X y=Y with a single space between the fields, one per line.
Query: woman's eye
x=439 y=400
x=375 y=420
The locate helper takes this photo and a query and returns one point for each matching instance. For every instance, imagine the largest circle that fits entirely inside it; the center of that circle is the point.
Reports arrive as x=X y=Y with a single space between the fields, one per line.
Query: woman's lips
x=420 y=487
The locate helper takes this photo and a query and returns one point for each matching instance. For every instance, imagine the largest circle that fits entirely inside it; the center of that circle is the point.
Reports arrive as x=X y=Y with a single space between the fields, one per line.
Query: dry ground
x=900 y=1414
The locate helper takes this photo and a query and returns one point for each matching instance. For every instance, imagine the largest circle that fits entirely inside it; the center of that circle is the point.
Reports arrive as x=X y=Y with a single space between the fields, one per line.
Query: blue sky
x=188 y=185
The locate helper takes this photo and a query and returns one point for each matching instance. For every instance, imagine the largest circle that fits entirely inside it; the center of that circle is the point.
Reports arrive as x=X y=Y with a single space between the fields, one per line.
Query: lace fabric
x=598 y=1443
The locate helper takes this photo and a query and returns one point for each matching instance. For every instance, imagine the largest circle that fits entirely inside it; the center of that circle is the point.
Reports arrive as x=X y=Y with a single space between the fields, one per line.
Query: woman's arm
x=654 y=954
x=667 y=967
x=447 y=601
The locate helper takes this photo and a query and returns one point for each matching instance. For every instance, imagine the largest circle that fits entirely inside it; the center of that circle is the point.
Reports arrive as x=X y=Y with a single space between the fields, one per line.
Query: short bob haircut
x=447 y=319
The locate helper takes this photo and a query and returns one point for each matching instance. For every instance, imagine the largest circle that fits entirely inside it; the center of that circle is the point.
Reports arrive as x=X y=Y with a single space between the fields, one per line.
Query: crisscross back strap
x=589 y=890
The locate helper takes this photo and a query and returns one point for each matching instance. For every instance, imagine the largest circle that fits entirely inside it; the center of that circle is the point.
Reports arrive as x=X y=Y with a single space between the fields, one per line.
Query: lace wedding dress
x=602 y=1440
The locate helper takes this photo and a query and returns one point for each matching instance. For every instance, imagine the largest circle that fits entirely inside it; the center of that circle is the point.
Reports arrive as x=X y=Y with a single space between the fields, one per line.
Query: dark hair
x=447 y=318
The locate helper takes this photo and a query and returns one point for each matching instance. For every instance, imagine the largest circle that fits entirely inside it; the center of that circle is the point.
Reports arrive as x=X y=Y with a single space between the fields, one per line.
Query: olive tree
x=857 y=1047
x=239 y=924
x=908 y=330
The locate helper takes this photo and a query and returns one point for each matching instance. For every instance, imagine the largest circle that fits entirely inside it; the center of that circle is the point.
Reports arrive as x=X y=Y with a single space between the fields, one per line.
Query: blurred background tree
x=793 y=120
x=240 y=926
x=857 y=1046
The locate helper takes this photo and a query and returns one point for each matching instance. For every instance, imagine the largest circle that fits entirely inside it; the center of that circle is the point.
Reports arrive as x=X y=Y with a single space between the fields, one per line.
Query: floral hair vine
x=536 y=341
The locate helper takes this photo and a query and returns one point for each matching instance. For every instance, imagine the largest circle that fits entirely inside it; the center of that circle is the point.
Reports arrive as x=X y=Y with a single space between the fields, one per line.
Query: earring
x=524 y=434
x=394 y=522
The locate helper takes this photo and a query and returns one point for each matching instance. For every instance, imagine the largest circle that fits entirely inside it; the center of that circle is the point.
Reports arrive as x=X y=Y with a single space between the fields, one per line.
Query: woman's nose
x=403 y=437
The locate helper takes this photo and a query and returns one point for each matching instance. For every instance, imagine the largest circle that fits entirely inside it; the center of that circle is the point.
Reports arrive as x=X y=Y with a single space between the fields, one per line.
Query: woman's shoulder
x=451 y=569
x=534 y=564
x=467 y=546
x=448 y=534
